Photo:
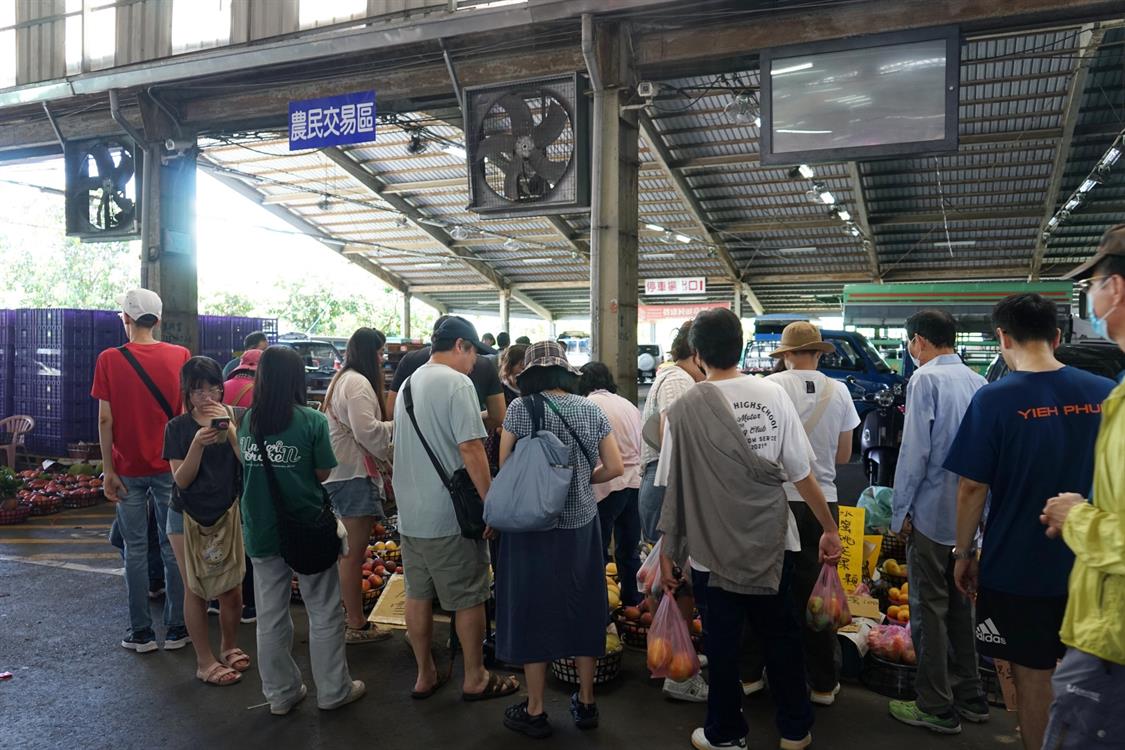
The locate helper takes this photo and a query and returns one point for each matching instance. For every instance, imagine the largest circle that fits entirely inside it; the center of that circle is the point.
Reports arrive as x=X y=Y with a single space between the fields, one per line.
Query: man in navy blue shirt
x=1025 y=438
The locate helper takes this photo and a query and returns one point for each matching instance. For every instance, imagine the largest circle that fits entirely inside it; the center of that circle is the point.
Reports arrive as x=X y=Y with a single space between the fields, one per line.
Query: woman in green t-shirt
x=297 y=443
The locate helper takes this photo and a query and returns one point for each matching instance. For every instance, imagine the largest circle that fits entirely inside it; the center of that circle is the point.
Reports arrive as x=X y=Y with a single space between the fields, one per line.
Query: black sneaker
x=141 y=641
x=213 y=607
x=519 y=720
x=176 y=637
x=249 y=614
x=156 y=588
x=585 y=715
x=975 y=710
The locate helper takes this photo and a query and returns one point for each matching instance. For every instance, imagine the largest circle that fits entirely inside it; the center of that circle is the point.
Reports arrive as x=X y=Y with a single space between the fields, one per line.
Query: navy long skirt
x=550 y=595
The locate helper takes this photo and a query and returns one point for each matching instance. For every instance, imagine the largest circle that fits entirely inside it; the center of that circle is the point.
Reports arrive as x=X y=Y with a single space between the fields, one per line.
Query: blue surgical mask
x=1100 y=324
x=1101 y=328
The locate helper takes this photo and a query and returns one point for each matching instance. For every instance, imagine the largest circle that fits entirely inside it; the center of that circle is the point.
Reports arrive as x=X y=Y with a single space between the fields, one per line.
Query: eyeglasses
x=1085 y=286
x=202 y=392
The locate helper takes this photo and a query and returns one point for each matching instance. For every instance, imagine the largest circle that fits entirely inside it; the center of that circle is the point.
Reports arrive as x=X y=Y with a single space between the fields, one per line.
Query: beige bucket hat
x=802 y=336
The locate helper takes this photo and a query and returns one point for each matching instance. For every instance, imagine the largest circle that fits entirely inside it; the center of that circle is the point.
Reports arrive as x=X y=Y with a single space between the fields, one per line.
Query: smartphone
x=221 y=423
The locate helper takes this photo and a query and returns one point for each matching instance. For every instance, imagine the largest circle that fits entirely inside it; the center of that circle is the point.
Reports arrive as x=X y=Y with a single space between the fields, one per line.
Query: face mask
x=1101 y=328
x=1100 y=324
x=915 y=360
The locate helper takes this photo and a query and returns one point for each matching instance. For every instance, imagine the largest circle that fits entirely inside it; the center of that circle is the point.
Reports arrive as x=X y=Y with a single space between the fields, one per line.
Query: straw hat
x=802 y=337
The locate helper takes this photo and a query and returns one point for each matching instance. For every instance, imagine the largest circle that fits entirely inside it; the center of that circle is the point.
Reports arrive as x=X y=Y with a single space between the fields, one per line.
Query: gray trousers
x=281 y=678
x=941 y=624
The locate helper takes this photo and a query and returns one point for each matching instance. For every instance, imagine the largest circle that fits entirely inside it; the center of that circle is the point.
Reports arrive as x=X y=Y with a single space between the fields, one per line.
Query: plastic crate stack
x=7 y=361
x=220 y=336
x=53 y=369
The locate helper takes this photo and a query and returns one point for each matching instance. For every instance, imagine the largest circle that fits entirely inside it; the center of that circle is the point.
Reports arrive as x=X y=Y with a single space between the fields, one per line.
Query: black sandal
x=519 y=720
x=421 y=695
x=498 y=686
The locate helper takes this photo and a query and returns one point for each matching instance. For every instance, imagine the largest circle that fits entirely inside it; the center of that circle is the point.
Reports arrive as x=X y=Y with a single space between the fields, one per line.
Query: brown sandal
x=236 y=659
x=218 y=674
x=498 y=686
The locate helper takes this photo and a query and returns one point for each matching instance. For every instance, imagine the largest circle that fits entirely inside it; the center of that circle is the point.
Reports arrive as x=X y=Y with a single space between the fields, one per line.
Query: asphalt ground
x=62 y=615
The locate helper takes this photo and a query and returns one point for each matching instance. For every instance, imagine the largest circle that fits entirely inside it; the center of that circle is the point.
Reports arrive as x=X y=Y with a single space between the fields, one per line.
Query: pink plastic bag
x=649 y=581
x=670 y=651
x=828 y=607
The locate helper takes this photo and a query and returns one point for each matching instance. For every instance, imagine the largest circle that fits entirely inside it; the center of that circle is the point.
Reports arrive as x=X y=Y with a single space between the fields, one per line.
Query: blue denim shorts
x=175 y=523
x=355 y=497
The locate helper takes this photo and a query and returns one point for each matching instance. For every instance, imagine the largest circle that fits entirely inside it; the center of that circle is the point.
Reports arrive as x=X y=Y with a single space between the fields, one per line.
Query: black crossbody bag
x=147 y=380
x=467 y=505
x=307 y=548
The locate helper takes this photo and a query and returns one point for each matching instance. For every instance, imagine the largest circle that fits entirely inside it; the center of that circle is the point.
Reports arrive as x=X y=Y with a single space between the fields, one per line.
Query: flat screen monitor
x=869 y=97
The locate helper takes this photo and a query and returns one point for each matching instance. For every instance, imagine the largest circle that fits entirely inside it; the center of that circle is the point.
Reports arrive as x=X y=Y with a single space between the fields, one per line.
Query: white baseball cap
x=137 y=303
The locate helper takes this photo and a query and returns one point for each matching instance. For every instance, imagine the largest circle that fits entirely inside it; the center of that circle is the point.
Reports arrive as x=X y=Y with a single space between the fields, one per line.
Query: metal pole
x=406 y=314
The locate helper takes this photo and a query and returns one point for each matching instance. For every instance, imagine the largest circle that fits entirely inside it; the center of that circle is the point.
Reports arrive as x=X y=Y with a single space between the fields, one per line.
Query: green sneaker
x=908 y=713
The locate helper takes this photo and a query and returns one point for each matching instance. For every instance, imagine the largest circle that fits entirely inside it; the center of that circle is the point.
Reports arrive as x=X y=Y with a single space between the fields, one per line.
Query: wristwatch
x=967 y=554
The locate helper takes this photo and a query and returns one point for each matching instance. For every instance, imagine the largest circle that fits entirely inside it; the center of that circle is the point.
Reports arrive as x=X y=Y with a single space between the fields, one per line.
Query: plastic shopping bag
x=877 y=503
x=649 y=581
x=670 y=651
x=828 y=607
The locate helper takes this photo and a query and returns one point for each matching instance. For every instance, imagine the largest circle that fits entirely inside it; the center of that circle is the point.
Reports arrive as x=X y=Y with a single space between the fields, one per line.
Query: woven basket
x=606 y=668
x=45 y=507
x=17 y=514
x=82 y=500
x=893 y=547
x=633 y=634
x=888 y=678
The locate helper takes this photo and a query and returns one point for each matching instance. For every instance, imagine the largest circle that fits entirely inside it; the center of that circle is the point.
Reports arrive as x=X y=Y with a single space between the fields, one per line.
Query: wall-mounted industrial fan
x=528 y=146
x=103 y=189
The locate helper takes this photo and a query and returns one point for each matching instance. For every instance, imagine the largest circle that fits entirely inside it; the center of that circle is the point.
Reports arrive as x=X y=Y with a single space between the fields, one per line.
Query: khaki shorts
x=451 y=568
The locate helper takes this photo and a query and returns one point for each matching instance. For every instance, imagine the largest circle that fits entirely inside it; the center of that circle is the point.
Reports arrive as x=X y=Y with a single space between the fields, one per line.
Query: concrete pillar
x=168 y=227
x=506 y=310
x=406 y=314
x=168 y=254
x=613 y=215
x=736 y=304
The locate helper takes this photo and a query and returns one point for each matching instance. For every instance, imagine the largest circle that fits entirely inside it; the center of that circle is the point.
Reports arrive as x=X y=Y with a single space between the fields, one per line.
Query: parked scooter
x=881 y=438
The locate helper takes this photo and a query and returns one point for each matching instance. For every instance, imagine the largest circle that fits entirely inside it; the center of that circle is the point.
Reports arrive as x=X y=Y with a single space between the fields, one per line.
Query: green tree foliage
x=44 y=268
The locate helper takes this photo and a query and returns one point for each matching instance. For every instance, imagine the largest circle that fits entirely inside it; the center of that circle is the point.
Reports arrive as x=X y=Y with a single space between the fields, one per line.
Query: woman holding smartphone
x=204 y=525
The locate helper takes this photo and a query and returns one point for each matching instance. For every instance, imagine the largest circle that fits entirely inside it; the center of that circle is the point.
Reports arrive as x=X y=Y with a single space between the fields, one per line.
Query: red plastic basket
x=17 y=514
x=45 y=507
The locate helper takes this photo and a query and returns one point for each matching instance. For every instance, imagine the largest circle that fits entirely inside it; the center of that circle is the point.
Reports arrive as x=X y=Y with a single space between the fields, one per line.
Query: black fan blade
x=123 y=172
x=551 y=126
x=100 y=153
x=518 y=113
x=83 y=184
x=551 y=171
x=105 y=220
x=495 y=145
x=512 y=179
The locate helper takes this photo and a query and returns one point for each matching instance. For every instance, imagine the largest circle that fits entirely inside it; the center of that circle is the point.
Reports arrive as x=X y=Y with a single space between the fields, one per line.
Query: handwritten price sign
x=851 y=537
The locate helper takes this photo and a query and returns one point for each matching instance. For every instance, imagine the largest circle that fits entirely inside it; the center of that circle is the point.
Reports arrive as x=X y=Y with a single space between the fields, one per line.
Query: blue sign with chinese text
x=332 y=121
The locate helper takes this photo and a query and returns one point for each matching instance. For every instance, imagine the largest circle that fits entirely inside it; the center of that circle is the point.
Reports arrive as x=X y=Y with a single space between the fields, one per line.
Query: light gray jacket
x=724 y=504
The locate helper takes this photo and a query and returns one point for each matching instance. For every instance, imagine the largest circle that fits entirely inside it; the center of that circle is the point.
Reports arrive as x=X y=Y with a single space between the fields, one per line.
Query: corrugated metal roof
x=1014 y=90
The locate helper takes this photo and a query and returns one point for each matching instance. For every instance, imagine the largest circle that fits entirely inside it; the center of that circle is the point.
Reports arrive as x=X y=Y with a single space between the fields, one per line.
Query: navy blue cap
x=454 y=327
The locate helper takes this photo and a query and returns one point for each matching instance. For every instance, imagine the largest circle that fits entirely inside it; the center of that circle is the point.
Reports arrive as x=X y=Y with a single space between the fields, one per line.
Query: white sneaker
x=359 y=689
x=283 y=710
x=825 y=699
x=749 y=688
x=700 y=742
x=693 y=690
x=800 y=744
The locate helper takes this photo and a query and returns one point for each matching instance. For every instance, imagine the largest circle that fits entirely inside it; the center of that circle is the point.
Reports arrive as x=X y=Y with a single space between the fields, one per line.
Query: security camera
x=646 y=89
x=178 y=145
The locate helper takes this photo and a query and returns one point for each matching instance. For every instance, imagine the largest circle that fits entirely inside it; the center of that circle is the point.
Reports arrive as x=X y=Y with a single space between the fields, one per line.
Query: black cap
x=454 y=327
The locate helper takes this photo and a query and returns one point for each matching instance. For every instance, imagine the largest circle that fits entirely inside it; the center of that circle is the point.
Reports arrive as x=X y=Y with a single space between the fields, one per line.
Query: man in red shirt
x=138 y=389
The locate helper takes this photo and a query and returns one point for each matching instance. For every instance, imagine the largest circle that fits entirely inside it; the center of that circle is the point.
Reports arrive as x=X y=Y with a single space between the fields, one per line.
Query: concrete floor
x=73 y=686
